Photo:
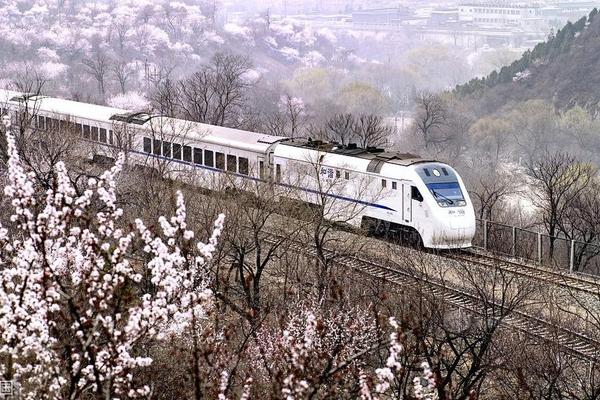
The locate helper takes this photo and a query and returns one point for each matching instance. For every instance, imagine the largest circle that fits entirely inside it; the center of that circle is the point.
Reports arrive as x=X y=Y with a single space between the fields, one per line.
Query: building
x=445 y=16
x=527 y=17
x=381 y=16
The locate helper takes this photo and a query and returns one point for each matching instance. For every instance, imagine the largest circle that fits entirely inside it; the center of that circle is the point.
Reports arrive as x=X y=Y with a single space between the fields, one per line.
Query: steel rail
x=559 y=278
x=580 y=345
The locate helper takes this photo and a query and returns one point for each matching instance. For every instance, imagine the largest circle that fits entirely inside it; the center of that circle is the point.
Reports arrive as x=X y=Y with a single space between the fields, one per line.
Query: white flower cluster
x=73 y=311
x=425 y=392
x=387 y=374
x=299 y=351
x=392 y=365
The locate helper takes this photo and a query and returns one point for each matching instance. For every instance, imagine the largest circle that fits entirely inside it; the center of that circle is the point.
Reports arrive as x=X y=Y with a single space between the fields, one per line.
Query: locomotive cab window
x=447 y=194
x=415 y=194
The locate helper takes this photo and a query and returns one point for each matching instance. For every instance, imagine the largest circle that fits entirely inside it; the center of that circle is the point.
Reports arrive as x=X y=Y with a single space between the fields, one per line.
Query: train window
x=197 y=156
x=243 y=165
x=95 y=133
x=51 y=123
x=261 y=169
x=110 y=136
x=445 y=171
x=166 y=149
x=177 y=151
x=41 y=121
x=220 y=160
x=147 y=145
x=415 y=194
x=383 y=183
x=156 y=147
x=231 y=163
x=209 y=158
x=426 y=172
x=187 y=154
x=86 y=131
x=62 y=125
x=338 y=174
x=278 y=172
x=78 y=129
x=103 y=135
x=347 y=175
x=394 y=186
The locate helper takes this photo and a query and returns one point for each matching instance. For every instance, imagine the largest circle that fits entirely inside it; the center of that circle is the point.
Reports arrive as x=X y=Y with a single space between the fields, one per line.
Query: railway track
x=554 y=277
x=580 y=345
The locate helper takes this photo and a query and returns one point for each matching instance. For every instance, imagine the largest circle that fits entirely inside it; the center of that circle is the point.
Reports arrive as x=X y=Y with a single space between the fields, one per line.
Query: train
x=420 y=200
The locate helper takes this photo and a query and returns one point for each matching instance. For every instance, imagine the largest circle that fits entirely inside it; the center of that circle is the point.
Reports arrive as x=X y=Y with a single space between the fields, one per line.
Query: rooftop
x=378 y=156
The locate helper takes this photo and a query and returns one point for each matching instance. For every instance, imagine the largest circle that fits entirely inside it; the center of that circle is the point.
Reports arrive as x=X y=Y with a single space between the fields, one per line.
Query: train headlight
x=443 y=204
x=462 y=203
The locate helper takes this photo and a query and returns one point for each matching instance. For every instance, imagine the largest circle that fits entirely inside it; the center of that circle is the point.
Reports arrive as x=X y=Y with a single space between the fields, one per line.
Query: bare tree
x=559 y=180
x=98 y=66
x=431 y=116
x=371 y=131
x=581 y=222
x=123 y=72
x=166 y=98
x=489 y=189
x=340 y=128
x=216 y=94
x=293 y=109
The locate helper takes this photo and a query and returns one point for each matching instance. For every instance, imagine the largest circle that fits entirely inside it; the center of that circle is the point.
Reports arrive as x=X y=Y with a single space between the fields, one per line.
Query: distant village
x=467 y=24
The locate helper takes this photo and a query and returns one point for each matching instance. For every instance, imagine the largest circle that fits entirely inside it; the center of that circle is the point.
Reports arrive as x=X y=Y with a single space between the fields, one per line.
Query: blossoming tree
x=75 y=313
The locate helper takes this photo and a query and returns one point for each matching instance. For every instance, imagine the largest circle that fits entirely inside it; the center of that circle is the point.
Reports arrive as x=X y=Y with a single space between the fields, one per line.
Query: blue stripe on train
x=364 y=203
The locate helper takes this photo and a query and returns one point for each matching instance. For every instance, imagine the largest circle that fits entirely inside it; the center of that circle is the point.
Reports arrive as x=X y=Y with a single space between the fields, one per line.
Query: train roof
x=218 y=135
x=374 y=158
x=61 y=106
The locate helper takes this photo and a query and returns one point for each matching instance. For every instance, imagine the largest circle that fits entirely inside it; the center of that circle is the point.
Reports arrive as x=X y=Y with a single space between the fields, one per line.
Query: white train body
x=370 y=188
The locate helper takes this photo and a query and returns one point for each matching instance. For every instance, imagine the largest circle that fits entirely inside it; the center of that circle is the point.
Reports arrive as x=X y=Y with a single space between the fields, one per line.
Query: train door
x=406 y=203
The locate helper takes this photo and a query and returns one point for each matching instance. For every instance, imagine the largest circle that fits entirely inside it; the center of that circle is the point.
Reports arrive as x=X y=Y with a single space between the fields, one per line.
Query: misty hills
x=564 y=70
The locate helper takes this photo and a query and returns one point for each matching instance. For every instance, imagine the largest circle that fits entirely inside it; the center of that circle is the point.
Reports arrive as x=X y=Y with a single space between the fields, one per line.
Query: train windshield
x=447 y=194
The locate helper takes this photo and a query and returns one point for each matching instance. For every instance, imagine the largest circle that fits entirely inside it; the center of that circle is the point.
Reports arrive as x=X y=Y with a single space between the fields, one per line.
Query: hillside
x=564 y=70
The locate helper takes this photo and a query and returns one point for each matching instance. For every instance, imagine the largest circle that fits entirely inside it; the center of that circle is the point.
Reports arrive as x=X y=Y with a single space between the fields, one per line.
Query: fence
x=558 y=252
